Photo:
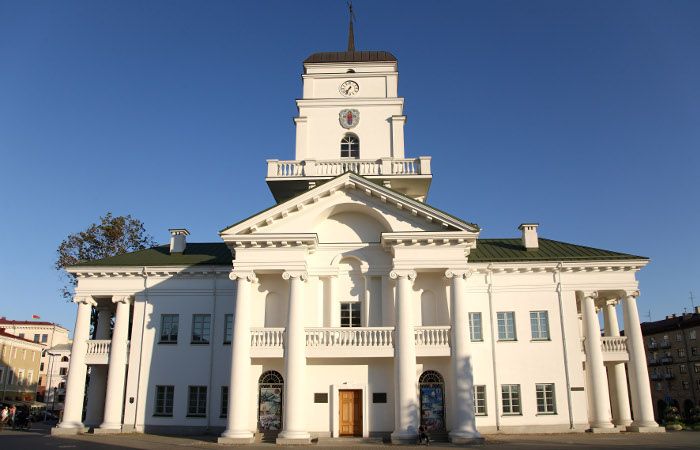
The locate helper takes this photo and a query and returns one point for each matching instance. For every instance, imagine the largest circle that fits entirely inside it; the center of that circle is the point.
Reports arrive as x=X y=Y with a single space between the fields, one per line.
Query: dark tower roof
x=363 y=56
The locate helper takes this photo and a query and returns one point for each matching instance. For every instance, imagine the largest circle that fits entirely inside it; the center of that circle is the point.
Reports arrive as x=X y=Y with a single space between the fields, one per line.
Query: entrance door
x=351 y=413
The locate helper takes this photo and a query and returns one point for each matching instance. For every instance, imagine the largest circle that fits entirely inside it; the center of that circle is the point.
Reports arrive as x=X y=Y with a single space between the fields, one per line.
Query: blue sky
x=582 y=116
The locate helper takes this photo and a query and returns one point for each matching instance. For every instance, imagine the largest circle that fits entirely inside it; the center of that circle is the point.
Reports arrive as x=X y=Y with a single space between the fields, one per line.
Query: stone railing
x=98 y=347
x=433 y=336
x=613 y=343
x=267 y=337
x=350 y=337
x=331 y=168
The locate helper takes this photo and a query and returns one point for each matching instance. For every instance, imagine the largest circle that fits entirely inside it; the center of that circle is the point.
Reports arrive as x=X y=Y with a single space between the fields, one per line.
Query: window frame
x=223 y=407
x=347 y=140
x=199 y=395
x=175 y=321
x=513 y=392
x=161 y=403
x=476 y=330
x=541 y=388
x=536 y=318
x=205 y=324
x=228 y=329
x=351 y=317
x=480 y=397
x=504 y=315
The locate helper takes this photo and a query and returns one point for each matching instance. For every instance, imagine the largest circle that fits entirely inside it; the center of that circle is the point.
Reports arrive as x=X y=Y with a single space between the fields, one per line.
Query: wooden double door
x=350 y=412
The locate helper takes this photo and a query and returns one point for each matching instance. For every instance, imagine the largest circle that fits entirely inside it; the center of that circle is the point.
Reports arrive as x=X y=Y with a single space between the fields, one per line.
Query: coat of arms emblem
x=349 y=118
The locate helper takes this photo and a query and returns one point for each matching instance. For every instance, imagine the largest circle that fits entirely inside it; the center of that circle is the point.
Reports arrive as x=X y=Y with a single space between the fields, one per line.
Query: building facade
x=354 y=308
x=673 y=356
x=19 y=368
x=47 y=334
x=58 y=363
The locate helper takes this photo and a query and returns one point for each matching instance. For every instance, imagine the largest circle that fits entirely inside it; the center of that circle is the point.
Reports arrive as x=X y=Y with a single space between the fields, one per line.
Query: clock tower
x=350 y=119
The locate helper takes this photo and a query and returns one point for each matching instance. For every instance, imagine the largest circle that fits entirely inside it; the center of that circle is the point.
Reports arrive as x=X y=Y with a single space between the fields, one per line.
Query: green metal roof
x=487 y=250
x=512 y=250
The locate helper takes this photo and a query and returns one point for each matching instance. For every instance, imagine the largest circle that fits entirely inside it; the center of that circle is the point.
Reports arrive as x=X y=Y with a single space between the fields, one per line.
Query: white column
x=116 y=375
x=238 y=423
x=596 y=378
x=642 y=408
x=294 y=430
x=75 y=385
x=98 y=373
x=406 y=421
x=463 y=420
x=617 y=379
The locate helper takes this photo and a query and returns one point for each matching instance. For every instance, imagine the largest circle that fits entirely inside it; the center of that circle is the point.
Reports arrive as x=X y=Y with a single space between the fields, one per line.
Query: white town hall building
x=354 y=308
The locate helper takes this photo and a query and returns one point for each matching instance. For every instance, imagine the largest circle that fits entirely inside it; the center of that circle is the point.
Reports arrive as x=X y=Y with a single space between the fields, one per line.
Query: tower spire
x=351 y=32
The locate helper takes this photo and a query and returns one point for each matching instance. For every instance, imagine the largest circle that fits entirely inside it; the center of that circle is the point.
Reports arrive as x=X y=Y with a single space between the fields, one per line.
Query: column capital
x=633 y=294
x=301 y=274
x=121 y=299
x=612 y=302
x=459 y=273
x=84 y=299
x=247 y=275
x=403 y=273
x=590 y=294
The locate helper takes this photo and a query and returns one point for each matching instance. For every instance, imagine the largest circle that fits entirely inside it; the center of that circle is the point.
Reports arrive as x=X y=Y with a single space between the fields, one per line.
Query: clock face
x=349 y=88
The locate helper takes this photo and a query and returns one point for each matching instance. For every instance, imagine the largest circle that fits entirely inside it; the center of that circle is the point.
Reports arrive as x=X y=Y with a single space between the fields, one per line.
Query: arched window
x=350 y=146
x=270 y=396
x=432 y=400
x=64 y=359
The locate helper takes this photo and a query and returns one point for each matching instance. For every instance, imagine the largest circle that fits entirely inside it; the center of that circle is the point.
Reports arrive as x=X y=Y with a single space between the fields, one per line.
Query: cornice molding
x=152 y=272
x=273 y=240
x=558 y=267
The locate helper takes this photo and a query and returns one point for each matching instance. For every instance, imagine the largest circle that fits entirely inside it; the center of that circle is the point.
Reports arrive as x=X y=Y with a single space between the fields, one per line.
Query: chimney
x=178 y=240
x=529 y=236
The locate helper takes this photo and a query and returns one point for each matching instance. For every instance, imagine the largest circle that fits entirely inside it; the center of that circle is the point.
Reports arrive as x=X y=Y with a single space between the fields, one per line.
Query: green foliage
x=694 y=416
x=110 y=237
x=672 y=416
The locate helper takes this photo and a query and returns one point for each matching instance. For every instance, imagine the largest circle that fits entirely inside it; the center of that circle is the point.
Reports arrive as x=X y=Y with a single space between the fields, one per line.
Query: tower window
x=350 y=146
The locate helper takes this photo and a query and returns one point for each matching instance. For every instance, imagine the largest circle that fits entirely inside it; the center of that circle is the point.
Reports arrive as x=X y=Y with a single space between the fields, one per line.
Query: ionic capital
x=403 y=273
x=633 y=294
x=590 y=294
x=612 y=302
x=301 y=274
x=121 y=299
x=85 y=300
x=459 y=273
x=247 y=275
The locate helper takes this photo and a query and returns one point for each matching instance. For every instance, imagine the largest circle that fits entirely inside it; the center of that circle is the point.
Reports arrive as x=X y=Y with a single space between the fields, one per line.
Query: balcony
x=614 y=348
x=409 y=175
x=98 y=351
x=359 y=342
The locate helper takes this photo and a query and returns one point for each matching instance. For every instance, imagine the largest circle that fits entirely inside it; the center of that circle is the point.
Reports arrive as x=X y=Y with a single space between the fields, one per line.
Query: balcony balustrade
x=332 y=168
x=347 y=342
x=98 y=351
x=614 y=348
x=433 y=341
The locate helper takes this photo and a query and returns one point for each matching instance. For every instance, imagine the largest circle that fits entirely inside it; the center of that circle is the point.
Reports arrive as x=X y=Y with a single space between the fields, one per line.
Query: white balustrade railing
x=98 y=347
x=614 y=343
x=350 y=337
x=433 y=336
x=267 y=337
x=331 y=168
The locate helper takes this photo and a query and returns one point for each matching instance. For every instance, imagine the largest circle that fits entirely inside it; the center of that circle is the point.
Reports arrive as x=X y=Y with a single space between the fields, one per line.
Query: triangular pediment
x=349 y=192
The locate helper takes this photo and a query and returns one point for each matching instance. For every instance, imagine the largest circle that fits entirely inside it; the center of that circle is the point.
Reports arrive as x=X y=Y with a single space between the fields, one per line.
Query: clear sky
x=582 y=116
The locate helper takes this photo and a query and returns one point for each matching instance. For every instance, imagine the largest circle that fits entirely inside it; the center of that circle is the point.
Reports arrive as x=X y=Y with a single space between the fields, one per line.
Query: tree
x=110 y=237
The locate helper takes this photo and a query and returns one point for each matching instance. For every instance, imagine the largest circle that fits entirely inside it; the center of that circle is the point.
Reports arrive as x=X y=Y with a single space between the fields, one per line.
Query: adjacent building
x=58 y=361
x=20 y=359
x=47 y=334
x=352 y=307
x=673 y=356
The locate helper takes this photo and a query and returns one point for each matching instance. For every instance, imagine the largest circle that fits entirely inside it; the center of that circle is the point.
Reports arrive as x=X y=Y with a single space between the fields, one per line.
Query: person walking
x=4 y=417
x=13 y=413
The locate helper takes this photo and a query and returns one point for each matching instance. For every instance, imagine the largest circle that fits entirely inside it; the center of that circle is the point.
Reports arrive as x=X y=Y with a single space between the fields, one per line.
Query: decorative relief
x=403 y=273
x=246 y=275
x=459 y=273
x=349 y=118
x=302 y=275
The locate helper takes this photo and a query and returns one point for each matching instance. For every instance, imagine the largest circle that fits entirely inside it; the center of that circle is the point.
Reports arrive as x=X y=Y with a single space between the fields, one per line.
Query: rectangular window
x=694 y=351
x=44 y=338
x=683 y=368
x=201 y=328
x=21 y=335
x=228 y=328
x=545 y=399
x=168 y=328
x=475 y=326
x=657 y=386
x=20 y=377
x=692 y=334
x=41 y=367
x=37 y=337
x=480 y=400
x=30 y=377
x=63 y=371
x=510 y=399
x=678 y=337
x=696 y=368
x=224 y=402
x=350 y=314
x=506 y=326
x=164 y=401
x=686 y=385
x=197 y=401
x=539 y=323
x=10 y=376
x=681 y=352
x=2 y=374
